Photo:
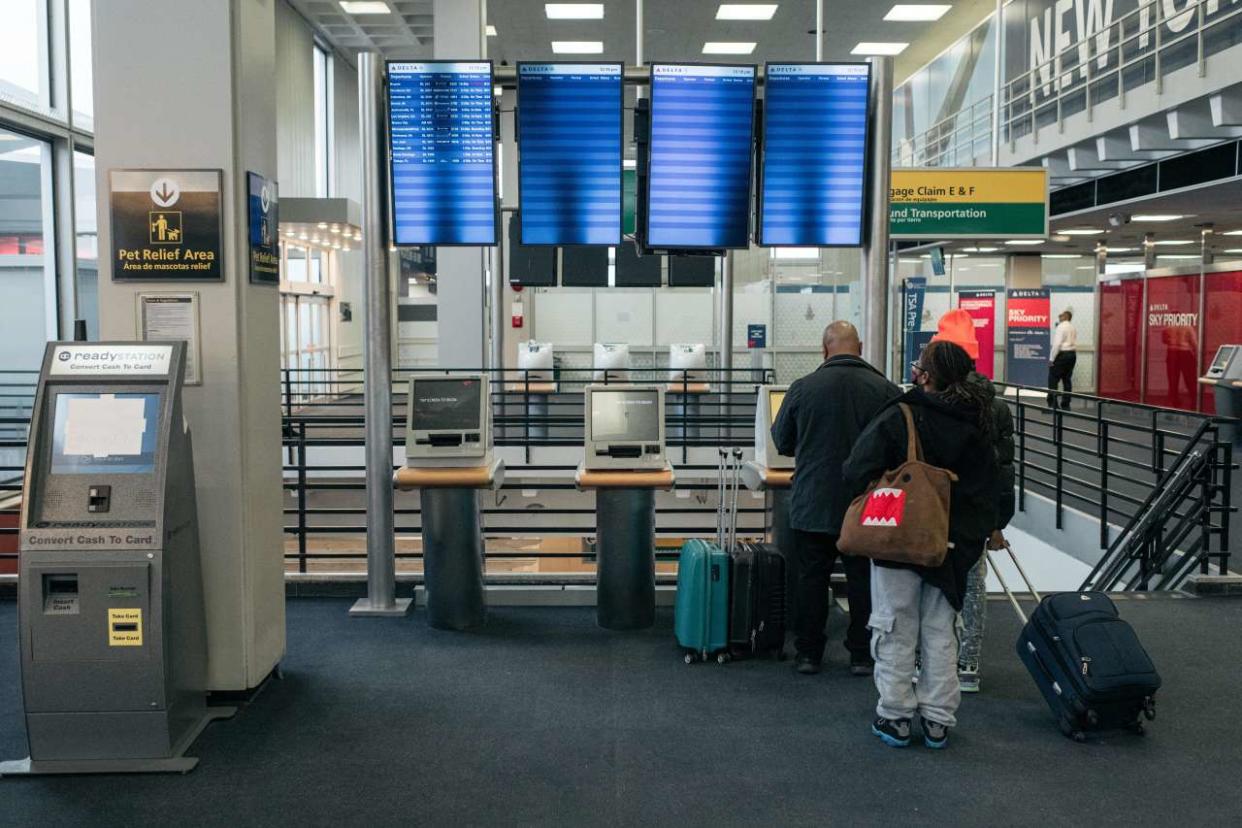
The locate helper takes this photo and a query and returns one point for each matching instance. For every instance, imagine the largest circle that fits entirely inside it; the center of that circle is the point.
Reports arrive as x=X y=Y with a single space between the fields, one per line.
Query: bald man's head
x=841 y=338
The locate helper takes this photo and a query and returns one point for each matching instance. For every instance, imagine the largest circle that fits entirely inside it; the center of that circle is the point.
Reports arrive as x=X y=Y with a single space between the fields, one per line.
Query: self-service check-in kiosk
x=625 y=465
x=772 y=472
x=536 y=379
x=112 y=627
x=448 y=446
x=687 y=383
x=1224 y=374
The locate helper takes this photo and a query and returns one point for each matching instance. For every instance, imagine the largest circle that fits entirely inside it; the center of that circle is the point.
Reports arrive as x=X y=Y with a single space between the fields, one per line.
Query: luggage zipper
x=1086 y=665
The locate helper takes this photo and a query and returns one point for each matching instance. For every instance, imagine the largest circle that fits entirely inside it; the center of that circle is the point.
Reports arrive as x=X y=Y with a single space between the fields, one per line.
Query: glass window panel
x=27 y=272
x=23 y=53
x=316 y=266
x=295 y=265
x=320 y=58
x=87 y=242
x=80 y=72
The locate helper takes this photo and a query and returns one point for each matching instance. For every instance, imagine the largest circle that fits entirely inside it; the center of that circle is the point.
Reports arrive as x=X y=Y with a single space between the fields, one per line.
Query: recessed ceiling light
x=746 y=11
x=1062 y=256
x=1112 y=250
x=578 y=47
x=491 y=30
x=880 y=49
x=1157 y=217
x=365 y=7
x=1233 y=251
x=1232 y=233
x=1181 y=258
x=629 y=163
x=498 y=90
x=1023 y=242
x=1082 y=231
x=574 y=11
x=717 y=47
x=1172 y=242
x=915 y=13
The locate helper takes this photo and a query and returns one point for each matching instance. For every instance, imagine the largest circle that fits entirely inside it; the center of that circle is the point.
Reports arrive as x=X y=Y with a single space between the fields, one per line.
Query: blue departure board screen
x=699 y=164
x=441 y=141
x=569 y=139
x=813 y=181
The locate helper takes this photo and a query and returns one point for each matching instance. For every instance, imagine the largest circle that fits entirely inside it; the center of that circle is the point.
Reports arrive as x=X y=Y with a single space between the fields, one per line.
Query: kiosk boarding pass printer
x=611 y=362
x=624 y=426
x=766 y=408
x=448 y=420
x=535 y=361
x=112 y=626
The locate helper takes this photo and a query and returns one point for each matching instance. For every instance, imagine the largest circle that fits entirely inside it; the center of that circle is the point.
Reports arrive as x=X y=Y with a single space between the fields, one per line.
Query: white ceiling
x=674 y=30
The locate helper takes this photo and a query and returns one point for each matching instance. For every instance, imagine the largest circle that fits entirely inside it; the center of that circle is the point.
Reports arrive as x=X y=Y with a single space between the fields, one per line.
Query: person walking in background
x=823 y=413
x=957 y=327
x=914 y=608
x=1063 y=358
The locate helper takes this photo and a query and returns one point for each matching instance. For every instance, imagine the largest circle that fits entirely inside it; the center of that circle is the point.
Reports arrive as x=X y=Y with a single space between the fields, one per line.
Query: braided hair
x=949 y=366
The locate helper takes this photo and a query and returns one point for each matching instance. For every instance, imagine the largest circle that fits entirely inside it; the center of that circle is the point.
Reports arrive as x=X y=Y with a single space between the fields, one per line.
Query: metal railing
x=963 y=139
x=1111 y=460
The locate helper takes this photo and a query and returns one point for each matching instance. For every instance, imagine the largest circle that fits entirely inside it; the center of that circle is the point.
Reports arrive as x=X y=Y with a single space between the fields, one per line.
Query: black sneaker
x=892 y=732
x=806 y=665
x=935 y=735
x=861 y=666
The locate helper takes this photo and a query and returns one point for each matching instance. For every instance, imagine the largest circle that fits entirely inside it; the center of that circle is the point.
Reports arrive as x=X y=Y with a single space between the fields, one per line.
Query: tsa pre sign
x=974 y=203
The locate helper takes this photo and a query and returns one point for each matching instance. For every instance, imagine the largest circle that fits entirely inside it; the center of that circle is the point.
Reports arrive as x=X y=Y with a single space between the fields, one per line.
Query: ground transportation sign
x=943 y=203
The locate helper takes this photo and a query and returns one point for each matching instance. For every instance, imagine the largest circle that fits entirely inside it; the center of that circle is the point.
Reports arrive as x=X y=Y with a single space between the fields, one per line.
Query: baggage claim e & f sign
x=942 y=204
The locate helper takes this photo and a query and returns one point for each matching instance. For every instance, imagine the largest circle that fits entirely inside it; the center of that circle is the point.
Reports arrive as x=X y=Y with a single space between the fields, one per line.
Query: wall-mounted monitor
x=529 y=265
x=442 y=149
x=583 y=266
x=632 y=270
x=767 y=406
x=447 y=421
x=569 y=143
x=691 y=271
x=699 y=156
x=624 y=427
x=96 y=433
x=813 y=179
x=611 y=361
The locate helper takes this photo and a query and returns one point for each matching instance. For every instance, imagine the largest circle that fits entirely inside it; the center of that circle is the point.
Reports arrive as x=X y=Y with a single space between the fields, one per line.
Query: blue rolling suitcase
x=701 y=613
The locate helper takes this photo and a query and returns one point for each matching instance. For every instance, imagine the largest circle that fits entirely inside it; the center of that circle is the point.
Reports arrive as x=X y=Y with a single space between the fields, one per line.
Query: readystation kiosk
x=772 y=472
x=625 y=465
x=112 y=629
x=448 y=448
x=1224 y=375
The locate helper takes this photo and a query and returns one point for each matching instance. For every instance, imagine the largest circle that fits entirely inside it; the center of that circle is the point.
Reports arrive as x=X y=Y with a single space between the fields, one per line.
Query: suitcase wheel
x=1149 y=708
x=1093 y=718
x=688 y=657
x=722 y=658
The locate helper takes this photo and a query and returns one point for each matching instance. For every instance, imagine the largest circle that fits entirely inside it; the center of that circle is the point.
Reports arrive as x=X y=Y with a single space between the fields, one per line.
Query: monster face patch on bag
x=885 y=507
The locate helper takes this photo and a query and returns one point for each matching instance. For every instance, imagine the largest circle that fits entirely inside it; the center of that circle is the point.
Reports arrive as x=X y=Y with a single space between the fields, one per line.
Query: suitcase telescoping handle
x=721 y=471
x=1008 y=593
x=736 y=483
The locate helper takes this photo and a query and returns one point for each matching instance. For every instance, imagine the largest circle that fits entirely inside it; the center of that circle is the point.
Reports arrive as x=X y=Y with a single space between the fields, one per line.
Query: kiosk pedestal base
x=177 y=763
x=453 y=558
x=364 y=608
x=625 y=558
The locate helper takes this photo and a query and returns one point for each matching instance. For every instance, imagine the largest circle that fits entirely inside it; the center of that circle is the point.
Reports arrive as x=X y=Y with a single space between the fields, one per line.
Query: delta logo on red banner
x=884 y=507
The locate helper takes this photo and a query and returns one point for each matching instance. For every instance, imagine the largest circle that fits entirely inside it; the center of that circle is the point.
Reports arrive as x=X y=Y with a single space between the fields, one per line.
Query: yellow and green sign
x=939 y=204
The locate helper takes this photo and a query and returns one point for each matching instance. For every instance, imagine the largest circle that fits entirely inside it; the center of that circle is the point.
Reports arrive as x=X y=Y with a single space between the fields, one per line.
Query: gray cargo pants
x=974 y=614
x=909 y=616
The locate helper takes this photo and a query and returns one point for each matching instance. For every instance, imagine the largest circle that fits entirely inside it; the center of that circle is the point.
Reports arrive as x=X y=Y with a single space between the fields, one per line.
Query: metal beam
x=875 y=254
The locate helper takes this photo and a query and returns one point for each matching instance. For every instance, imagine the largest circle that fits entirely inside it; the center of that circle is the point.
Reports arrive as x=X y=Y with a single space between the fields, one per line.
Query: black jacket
x=951 y=439
x=1002 y=440
x=821 y=417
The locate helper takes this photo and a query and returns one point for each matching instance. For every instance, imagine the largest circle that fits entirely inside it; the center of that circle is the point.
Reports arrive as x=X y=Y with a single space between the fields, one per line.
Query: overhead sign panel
x=699 y=165
x=814 y=174
x=441 y=142
x=938 y=204
x=569 y=140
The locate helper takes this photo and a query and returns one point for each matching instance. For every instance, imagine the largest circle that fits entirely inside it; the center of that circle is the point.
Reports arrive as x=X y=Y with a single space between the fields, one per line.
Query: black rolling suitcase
x=1087 y=662
x=756 y=589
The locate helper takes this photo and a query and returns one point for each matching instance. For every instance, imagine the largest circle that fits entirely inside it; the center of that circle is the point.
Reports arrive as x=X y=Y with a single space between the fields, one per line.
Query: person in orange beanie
x=958 y=327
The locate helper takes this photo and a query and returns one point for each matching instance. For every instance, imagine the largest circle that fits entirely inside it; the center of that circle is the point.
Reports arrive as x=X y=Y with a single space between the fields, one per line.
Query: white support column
x=191 y=85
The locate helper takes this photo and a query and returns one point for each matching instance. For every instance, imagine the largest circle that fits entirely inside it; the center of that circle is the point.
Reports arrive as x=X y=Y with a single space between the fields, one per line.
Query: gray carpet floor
x=546 y=719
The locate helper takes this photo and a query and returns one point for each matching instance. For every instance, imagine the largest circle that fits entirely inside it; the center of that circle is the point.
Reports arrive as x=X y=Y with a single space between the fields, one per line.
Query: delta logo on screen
x=884 y=507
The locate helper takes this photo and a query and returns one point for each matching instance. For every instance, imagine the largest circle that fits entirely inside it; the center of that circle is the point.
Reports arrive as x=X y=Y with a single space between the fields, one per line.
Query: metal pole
x=497 y=361
x=726 y=317
x=377 y=358
x=998 y=81
x=875 y=254
x=819 y=30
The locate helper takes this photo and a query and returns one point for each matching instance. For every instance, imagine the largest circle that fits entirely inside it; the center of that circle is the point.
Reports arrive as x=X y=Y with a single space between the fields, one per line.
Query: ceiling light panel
x=1023 y=242
x=365 y=7
x=907 y=13
x=746 y=11
x=574 y=11
x=878 y=48
x=578 y=47
x=491 y=30
x=1082 y=231
x=1157 y=217
x=717 y=47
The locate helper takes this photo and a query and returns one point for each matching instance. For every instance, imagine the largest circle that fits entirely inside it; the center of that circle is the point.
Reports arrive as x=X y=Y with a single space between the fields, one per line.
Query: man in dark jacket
x=822 y=415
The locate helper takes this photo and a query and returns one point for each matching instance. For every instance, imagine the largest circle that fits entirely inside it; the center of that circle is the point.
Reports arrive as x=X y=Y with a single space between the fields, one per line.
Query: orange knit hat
x=957 y=327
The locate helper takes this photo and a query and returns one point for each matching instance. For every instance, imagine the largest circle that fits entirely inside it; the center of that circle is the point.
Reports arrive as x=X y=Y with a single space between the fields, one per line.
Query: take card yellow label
x=124 y=627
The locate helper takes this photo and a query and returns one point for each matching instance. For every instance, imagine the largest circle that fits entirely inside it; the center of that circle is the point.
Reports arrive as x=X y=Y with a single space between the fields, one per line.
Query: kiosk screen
x=104 y=433
x=1223 y=355
x=775 y=400
x=625 y=416
x=446 y=405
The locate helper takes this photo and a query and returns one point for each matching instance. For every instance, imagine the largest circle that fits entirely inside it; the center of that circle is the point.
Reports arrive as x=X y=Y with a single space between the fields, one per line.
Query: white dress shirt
x=1064 y=338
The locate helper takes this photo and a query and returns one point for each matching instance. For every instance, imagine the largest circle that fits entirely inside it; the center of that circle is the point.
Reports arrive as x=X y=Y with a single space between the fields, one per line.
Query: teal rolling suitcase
x=701 y=614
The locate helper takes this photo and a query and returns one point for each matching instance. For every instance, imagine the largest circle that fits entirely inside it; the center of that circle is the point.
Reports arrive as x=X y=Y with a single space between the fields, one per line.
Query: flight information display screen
x=699 y=165
x=441 y=142
x=446 y=405
x=569 y=140
x=813 y=181
x=104 y=433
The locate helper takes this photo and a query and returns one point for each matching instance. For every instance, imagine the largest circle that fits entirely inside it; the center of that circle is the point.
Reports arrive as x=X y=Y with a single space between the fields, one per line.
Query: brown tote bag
x=904 y=516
